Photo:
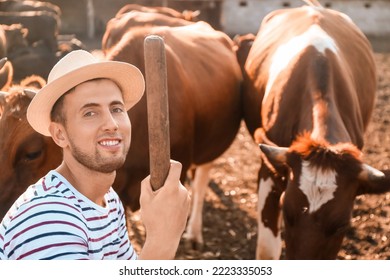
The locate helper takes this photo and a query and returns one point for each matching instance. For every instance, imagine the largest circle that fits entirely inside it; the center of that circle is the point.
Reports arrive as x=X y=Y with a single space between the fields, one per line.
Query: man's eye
x=89 y=114
x=117 y=110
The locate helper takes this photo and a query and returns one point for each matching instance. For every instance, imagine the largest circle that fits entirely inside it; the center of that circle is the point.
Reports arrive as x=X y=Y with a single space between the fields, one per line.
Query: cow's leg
x=269 y=241
x=193 y=234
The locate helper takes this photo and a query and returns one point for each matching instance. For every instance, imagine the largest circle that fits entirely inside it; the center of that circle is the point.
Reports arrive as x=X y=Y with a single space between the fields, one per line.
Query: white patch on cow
x=269 y=246
x=319 y=126
x=314 y=36
x=313 y=10
x=195 y=223
x=318 y=185
x=16 y=109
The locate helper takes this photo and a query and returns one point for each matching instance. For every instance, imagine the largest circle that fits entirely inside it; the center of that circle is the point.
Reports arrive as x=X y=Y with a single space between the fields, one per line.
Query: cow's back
x=354 y=61
x=118 y=26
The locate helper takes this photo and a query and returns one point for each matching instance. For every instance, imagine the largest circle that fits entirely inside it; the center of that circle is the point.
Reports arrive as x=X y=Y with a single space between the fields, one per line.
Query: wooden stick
x=158 y=116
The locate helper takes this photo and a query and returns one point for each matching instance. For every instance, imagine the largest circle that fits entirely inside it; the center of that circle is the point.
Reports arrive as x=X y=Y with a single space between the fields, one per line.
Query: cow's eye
x=32 y=155
x=30 y=150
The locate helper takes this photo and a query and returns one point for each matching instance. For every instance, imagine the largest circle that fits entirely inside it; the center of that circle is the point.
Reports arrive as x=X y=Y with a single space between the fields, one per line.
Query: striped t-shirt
x=52 y=220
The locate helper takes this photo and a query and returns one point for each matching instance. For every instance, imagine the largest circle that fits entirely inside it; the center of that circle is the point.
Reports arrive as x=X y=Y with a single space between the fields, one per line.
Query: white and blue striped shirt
x=52 y=220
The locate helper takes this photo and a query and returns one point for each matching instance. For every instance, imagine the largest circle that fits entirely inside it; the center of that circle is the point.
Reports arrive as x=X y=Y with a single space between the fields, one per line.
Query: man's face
x=97 y=126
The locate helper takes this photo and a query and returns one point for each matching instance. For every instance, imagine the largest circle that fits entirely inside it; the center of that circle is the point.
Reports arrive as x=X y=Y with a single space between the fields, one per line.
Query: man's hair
x=57 y=112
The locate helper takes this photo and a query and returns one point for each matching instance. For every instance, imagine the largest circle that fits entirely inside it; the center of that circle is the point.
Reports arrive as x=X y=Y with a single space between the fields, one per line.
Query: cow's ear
x=373 y=181
x=275 y=158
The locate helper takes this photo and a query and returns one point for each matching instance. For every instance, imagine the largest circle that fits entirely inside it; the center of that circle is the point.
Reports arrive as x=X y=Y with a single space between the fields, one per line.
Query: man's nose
x=110 y=123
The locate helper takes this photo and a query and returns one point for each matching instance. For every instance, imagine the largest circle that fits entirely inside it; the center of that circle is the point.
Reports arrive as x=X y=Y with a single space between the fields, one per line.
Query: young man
x=73 y=212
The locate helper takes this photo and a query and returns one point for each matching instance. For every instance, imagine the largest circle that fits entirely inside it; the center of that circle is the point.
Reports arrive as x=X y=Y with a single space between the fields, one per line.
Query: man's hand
x=164 y=214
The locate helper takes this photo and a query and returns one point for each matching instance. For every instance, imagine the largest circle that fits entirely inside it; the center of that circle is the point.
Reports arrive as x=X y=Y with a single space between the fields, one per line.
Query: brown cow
x=312 y=79
x=204 y=105
x=117 y=26
x=186 y=14
x=25 y=154
x=204 y=111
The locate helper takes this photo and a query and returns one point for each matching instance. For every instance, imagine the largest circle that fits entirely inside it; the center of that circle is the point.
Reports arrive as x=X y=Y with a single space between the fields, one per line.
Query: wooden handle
x=158 y=116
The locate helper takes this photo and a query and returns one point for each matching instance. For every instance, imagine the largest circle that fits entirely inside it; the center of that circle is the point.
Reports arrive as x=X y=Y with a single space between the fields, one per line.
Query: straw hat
x=78 y=67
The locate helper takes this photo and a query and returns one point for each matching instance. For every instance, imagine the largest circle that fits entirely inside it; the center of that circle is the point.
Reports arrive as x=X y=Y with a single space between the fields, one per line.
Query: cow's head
x=25 y=155
x=322 y=181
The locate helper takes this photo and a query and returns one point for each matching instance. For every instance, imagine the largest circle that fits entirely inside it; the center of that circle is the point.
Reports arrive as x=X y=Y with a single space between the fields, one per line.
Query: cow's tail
x=313 y=3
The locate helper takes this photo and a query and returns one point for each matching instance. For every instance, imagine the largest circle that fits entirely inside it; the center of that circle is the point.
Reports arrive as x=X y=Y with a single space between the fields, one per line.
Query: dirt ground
x=230 y=228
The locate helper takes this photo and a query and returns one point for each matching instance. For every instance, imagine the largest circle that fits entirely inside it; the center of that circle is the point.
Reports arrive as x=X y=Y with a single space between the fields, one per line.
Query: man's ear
x=58 y=134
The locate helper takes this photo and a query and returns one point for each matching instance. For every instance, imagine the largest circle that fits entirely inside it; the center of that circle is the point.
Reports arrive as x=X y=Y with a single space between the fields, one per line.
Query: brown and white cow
x=204 y=113
x=312 y=78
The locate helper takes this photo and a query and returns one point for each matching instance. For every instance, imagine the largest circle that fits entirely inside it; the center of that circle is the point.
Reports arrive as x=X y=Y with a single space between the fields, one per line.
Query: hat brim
x=128 y=77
